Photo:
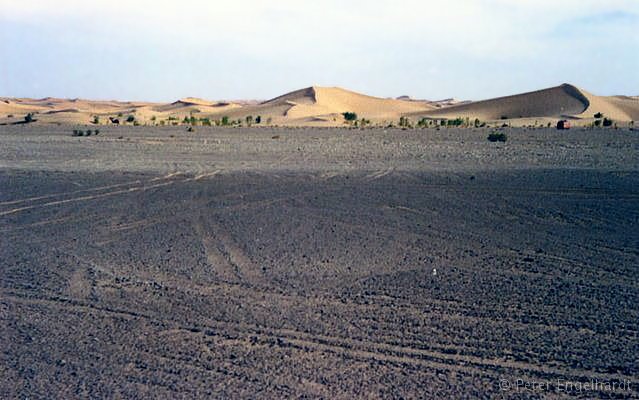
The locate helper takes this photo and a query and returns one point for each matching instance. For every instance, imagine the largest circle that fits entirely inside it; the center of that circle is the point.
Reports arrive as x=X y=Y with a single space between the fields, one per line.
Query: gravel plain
x=318 y=263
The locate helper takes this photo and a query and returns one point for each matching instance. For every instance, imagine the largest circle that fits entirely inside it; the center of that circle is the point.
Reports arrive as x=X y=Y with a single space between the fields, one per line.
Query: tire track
x=108 y=194
x=341 y=346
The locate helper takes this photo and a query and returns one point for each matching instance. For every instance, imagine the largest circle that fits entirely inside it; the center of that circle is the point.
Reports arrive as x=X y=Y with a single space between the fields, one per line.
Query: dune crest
x=561 y=101
x=325 y=106
x=564 y=101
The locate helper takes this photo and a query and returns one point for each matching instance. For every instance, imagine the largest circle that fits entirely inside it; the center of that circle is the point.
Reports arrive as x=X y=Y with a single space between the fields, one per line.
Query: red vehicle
x=563 y=124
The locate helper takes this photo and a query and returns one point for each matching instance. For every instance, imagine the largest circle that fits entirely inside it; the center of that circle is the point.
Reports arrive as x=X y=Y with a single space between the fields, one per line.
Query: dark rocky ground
x=335 y=281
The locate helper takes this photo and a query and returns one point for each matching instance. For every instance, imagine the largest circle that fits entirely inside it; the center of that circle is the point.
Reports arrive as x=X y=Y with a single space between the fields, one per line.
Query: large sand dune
x=565 y=101
x=324 y=106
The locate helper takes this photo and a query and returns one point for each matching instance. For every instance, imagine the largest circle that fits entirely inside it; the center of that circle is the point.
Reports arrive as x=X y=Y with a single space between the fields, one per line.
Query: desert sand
x=324 y=106
x=565 y=101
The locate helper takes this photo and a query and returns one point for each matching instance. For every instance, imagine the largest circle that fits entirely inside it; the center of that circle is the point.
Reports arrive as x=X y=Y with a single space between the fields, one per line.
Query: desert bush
x=349 y=116
x=258 y=119
x=76 y=133
x=205 y=121
x=598 y=115
x=130 y=118
x=189 y=129
x=96 y=119
x=607 y=122
x=225 y=120
x=497 y=137
x=97 y=131
x=249 y=120
x=29 y=118
x=89 y=132
x=455 y=122
x=504 y=117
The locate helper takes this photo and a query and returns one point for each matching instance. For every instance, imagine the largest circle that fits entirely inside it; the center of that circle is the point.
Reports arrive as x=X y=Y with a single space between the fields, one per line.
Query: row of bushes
x=88 y=132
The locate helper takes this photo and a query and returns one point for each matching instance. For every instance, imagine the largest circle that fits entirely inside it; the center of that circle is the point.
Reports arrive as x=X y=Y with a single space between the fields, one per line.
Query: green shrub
x=258 y=119
x=89 y=132
x=497 y=137
x=96 y=119
x=349 y=116
x=29 y=118
x=607 y=122
x=404 y=122
x=598 y=115
x=130 y=118
x=225 y=120
x=455 y=122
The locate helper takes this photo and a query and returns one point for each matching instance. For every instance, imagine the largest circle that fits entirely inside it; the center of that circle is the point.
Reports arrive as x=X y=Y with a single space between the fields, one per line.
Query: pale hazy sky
x=163 y=50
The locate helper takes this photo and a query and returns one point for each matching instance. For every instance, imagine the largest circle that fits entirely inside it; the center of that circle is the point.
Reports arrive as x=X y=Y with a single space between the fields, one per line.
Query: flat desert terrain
x=152 y=262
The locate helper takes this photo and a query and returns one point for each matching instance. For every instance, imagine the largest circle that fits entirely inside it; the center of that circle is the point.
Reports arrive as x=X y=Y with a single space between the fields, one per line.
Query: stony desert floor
x=318 y=263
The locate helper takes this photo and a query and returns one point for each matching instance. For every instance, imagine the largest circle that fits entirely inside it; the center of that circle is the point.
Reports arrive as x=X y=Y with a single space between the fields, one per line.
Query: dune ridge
x=325 y=106
x=560 y=101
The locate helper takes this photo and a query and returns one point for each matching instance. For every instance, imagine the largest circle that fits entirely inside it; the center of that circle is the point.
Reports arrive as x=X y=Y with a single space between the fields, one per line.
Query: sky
x=159 y=50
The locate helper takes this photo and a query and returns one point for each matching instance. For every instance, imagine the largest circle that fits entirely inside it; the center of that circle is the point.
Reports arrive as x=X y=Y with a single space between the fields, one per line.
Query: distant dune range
x=324 y=106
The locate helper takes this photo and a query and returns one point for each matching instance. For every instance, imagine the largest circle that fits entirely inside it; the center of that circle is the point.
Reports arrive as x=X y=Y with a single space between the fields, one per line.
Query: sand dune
x=619 y=108
x=324 y=106
x=329 y=102
x=559 y=101
x=565 y=101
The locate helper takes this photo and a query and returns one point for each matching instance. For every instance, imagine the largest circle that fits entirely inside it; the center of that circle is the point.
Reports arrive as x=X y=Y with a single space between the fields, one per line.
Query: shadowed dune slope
x=564 y=101
x=559 y=101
